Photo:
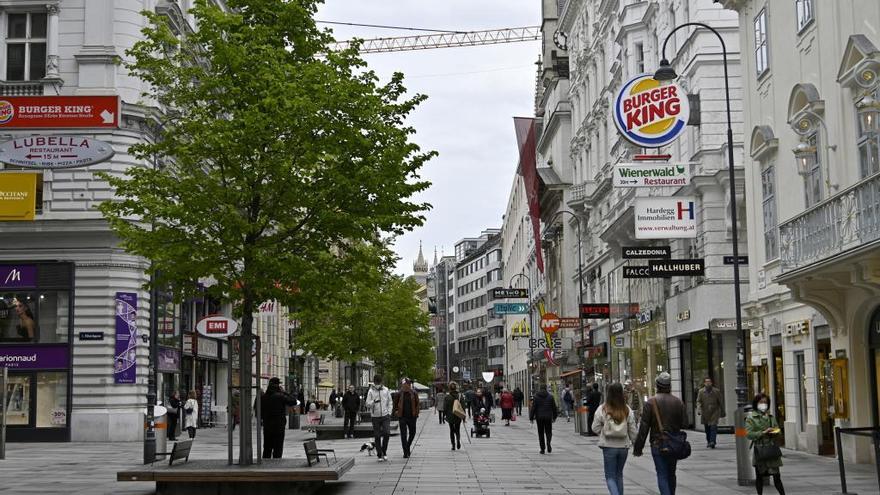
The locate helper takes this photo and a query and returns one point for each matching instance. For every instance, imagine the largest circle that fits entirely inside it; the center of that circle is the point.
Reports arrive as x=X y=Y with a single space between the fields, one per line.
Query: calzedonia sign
x=653 y=175
x=648 y=114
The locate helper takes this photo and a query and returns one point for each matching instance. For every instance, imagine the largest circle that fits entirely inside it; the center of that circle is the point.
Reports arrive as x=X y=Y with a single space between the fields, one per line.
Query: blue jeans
x=665 y=467
x=615 y=459
x=711 y=433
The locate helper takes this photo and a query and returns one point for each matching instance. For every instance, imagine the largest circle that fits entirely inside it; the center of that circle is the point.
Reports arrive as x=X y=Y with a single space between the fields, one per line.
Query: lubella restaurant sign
x=18 y=196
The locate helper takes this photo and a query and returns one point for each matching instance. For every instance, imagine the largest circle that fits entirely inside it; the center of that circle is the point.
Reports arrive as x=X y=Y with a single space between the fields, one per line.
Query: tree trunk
x=246 y=452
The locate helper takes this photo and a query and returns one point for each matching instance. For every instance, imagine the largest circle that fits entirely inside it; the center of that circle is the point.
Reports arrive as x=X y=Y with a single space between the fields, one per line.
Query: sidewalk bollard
x=744 y=472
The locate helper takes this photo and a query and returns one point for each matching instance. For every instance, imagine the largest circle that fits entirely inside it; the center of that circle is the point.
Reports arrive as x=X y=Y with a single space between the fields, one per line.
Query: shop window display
x=18 y=392
x=34 y=316
x=51 y=400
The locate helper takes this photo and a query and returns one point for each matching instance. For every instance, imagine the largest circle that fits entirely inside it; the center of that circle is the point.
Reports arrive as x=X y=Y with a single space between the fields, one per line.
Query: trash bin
x=338 y=411
x=160 y=423
x=580 y=421
x=293 y=418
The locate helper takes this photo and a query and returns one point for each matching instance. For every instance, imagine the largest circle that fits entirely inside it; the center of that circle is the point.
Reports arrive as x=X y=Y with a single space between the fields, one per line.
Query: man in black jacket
x=545 y=411
x=594 y=399
x=351 y=403
x=273 y=408
x=672 y=416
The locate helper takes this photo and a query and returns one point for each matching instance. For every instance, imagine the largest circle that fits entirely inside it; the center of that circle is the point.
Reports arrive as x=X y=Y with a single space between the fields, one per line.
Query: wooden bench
x=313 y=452
x=179 y=451
x=273 y=476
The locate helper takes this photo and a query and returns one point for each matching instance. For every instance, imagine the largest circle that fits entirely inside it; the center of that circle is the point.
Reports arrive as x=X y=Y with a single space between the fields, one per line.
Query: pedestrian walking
x=173 y=415
x=407 y=408
x=332 y=399
x=615 y=423
x=273 y=409
x=568 y=401
x=506 y=402
x=544 y=411
x=518 y=397
x=710 y=403
x=454 y=414
x=633 y=399
x=379 y=401
x=763 y=430
x=439 y=402
x=594 y=398
x=191 y=414
x=662 y=414
x=351 y=403
x=468 y=400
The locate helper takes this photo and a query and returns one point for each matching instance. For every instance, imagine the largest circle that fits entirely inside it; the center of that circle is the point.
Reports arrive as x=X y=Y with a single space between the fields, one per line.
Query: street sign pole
x=5 y=409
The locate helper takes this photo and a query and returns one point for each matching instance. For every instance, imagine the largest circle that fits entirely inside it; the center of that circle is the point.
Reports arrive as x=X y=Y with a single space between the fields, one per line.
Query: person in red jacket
x=507 y=404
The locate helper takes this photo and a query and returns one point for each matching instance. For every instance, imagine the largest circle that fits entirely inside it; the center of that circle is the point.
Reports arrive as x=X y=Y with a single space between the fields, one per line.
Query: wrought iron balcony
x=847 y=220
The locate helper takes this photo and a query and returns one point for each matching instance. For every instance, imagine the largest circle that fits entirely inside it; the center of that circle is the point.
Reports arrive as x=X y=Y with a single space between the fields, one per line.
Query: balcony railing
x=21 y=88
x=845 y=221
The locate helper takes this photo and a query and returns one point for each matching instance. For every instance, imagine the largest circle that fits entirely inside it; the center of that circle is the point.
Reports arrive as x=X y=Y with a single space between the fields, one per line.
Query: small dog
x=369 y=447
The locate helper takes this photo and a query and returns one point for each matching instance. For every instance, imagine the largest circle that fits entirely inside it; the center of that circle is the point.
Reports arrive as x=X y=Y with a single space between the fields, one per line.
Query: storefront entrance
x=778 y=386
x=826 y=400
x=874 y=357
x=701 y=356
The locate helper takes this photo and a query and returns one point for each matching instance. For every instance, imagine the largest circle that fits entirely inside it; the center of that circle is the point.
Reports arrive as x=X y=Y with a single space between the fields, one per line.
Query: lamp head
x=665 y=72
x=869 y=114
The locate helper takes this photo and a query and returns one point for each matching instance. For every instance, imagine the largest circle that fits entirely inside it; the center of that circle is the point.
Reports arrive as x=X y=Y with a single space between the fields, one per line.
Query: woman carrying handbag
x=763 y=431
x=191 y=414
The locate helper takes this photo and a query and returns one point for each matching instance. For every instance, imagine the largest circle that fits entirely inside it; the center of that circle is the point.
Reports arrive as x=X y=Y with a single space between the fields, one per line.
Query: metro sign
x=216 y=326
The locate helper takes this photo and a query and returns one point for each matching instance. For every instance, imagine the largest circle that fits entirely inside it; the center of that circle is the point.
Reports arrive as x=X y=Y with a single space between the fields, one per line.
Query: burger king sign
x=649 y=114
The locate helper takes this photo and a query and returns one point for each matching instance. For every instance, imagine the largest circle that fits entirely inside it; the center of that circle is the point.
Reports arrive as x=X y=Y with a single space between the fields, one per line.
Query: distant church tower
x=420 y=267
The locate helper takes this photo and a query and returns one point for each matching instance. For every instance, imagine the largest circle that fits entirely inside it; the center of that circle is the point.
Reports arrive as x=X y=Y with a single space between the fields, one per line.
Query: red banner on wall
x=526 y=139
x=50 y=112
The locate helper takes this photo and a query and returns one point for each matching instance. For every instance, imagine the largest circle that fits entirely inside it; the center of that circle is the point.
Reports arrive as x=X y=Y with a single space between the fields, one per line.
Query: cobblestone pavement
x=507 y=463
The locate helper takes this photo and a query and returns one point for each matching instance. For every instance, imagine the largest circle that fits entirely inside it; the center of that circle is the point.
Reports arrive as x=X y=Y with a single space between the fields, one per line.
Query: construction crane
x=445 y=40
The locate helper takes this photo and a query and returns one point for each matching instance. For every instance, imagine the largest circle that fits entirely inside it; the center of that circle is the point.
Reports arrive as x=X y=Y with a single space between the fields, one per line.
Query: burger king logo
x=7 y=111
x=648 y=114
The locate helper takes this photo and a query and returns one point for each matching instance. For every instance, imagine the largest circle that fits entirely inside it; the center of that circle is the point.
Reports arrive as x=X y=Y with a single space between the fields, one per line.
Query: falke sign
x=54 y=112
x=54 y=152
x=637 y=175
x=650 y=115
x=216 y=326
x=18 y=276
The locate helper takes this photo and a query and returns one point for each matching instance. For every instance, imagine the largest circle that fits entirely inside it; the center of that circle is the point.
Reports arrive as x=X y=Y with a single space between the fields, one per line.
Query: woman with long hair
x=191 y=414
x=615 y=424
x=453 y=419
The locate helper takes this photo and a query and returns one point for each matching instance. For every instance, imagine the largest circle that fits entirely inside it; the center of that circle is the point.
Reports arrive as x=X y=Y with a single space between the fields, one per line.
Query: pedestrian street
x=506 y=463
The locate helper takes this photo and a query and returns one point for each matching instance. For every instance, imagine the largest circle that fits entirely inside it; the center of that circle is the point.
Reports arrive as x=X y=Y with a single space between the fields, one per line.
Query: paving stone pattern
x=508 y=463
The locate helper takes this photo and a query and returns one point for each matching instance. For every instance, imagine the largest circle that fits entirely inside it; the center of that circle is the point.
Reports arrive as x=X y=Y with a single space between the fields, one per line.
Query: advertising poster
x=666 y=217
x=18 y=196
x=125 y=362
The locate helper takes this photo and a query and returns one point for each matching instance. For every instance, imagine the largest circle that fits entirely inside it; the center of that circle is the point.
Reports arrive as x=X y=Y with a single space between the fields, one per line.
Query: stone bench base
x=335 y=432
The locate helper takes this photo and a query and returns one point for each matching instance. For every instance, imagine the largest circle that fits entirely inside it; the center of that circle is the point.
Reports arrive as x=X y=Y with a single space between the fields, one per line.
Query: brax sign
x=635 y=253
x=677 y=268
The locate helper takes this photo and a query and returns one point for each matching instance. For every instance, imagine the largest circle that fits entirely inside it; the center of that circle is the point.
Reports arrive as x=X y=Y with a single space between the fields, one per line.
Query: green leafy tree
x=277 y=160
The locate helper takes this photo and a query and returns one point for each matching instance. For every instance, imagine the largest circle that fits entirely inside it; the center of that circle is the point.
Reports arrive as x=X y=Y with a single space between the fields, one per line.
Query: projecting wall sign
x=635 y=253
x=650 y=115
x=665 y=218
x=55 y=152
x=654 y=175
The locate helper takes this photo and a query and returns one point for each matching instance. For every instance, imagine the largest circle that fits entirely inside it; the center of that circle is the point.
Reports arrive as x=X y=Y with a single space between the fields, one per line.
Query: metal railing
x=844 y=221
x=874 y=433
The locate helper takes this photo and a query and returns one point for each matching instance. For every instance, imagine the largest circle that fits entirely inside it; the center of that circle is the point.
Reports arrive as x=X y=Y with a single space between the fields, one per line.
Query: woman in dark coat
x=545 y=411
x=452 y=420
x=173 y=415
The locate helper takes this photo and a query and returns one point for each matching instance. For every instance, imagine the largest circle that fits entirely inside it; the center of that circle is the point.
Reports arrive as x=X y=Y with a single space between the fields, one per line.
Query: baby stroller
x=481 y=425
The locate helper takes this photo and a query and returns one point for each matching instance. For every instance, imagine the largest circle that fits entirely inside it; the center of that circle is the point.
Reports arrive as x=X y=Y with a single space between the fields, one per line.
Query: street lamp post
x=666 y=73
x=531 y=327
x=581 y=355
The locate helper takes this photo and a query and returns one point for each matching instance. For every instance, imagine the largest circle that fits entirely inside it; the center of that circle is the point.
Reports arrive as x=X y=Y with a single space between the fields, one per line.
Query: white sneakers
x=383 y=459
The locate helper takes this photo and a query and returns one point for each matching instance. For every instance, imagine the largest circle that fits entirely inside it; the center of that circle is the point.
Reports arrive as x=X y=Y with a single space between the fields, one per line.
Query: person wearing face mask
x=710 y=403
x=379 y=402
x=763 y=430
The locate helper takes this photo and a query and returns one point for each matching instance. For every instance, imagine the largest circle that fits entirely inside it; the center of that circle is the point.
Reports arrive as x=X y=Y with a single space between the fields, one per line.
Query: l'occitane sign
x=18 y=194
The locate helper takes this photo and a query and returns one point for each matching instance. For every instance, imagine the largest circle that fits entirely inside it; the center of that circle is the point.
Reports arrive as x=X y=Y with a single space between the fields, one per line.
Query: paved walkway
x=507 y=463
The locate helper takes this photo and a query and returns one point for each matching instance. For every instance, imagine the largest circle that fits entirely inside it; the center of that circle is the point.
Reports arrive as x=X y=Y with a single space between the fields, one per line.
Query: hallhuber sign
x=54 y=152
x=652 y=175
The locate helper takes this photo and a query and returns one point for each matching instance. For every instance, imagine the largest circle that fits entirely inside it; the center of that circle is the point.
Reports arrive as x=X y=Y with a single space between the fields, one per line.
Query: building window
x=869 y=148
x=640 y=58
x=25 y=46
x=804 y=12
x=771 y=230
x=761 y=60
x=813 y=190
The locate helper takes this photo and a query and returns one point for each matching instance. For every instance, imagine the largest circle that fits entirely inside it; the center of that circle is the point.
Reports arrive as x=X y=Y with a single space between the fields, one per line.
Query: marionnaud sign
x=216 y=326
x=665 y=217
x=511 y=308
x=53 y=152
x=651 y=175
x=650 y=115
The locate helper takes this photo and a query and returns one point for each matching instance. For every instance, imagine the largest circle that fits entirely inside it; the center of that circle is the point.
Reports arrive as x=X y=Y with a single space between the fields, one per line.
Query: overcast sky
x=473 y=95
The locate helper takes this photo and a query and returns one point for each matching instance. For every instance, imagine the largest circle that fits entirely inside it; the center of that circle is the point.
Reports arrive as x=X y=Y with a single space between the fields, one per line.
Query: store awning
x=326 y=385
x=570 y=373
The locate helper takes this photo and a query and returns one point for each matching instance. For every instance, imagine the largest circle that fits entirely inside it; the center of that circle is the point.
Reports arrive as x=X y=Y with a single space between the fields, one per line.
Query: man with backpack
x=663 y=419
x=568 y=401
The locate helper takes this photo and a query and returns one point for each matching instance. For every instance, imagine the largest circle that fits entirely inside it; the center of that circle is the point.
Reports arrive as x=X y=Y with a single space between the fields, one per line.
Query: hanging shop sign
x=511 y=308
x=637 y=271
x=647 y=253
x=207 y=348
x=618 y=326
x=665 y=217
x=598 y=310
x=553 y=344
x=18 y=276
x=54 y=152
x=520 y=329
x=597 y=351
x=19 y=357
x=18 y=196
x=648 y=114
x=743 y=260
x=216 y=326
x=169 y=360
x=677 y=268
x=645 y=316
x=549 y=323
x=502 y=293
x=53 y=112
x=730 y=324
x=125 y=359
x=568 y=322
x=684 y=315
x=652 y=175
x=624 y=310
